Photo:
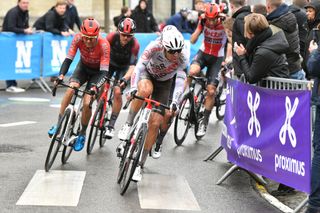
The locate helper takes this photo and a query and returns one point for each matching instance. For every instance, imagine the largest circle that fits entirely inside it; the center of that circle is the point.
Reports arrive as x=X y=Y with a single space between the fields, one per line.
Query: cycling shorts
x=83 y=74
x=212 y=63
x=117 y=72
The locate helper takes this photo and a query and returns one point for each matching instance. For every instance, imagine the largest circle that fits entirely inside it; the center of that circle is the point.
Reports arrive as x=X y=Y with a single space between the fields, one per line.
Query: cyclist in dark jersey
x=92 y=68
x=123 y=58
x=210 y=55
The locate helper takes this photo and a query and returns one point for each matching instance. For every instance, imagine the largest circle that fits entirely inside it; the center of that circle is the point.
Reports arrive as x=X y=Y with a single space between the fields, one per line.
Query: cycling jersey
x=154 y=62
x=215 y=38
x=122 y=56
x=96 y=58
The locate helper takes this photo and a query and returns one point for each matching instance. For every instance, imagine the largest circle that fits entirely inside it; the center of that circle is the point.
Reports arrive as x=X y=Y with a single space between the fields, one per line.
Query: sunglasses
x=126 y=35
x=174 y=51
x=89 y=37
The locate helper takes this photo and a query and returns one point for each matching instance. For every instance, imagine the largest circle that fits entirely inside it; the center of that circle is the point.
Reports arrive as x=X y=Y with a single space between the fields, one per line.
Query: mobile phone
x=315 y=35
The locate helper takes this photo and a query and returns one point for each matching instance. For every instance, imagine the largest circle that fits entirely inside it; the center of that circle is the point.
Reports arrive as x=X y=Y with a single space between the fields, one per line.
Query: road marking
x=55 y=105
x=166 y=192
x=24 y=99
x=54 y=188
x=17 y=123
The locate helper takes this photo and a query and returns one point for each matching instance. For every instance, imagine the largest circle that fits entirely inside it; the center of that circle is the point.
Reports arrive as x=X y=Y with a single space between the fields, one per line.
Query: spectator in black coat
x=17 y=20
x=265 y=50
x=54 y=20
x=297 y=8
x=239 y=10
x=125 y=13
x=280 y=16
x=72 y=16
x=144 y=19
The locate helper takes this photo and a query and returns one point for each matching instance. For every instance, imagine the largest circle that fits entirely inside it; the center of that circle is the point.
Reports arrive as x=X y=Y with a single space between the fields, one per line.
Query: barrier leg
x=37 y=81
x=214 y=154
x=301 y=205
x=227 y=174
x=257 y=177
x=44 y=83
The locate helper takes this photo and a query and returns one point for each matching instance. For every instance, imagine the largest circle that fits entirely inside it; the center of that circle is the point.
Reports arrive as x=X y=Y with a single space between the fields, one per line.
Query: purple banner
x=268 y=132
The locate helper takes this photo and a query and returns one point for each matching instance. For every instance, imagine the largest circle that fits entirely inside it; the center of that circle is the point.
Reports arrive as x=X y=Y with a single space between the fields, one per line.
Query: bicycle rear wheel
x=132 y=160
x=95 y=127
x=57 y=140
x=183 y=120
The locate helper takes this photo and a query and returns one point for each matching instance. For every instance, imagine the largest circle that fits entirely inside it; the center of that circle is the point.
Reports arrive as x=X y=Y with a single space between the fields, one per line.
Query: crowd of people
x=271 y=39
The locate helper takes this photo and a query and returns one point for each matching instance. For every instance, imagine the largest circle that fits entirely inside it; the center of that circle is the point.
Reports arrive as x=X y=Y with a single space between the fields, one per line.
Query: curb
x=272 y=200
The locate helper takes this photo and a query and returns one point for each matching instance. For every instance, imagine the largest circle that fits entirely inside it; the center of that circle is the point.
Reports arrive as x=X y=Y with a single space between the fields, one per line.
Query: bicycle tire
x=95 y=127
x=102 y=140
x=56 y=140
x=199 y=112
x=184 y=108
x=132 y=160
x=220 y=107
x=67 y=150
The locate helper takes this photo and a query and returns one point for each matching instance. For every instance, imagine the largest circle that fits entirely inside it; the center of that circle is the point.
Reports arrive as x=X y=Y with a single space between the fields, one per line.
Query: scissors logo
x=290 y=111
x=253 y=109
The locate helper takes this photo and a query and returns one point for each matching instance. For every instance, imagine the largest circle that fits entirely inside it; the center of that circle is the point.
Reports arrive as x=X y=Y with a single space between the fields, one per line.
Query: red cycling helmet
x=212 y=10
x=127 y=26
x=90 y=27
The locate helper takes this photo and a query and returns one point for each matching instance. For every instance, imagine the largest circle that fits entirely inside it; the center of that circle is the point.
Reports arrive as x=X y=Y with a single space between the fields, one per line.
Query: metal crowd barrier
x=277 y=84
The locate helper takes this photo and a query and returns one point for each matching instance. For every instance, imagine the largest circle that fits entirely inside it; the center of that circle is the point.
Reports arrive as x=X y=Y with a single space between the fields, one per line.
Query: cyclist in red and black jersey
x=92 y=68
x=123 y=58
x=210 y=55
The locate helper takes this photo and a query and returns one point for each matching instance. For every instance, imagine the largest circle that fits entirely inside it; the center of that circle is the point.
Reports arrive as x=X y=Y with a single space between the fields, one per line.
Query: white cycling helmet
x=169 y=28
x=172 y=40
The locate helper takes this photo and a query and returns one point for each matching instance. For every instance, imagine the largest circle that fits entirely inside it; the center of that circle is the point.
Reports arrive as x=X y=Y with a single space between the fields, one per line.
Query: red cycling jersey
x=96 y=57
x=215 y=38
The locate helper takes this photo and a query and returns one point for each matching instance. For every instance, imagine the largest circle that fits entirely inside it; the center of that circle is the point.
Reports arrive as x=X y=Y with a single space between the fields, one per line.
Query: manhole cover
x=8 y=148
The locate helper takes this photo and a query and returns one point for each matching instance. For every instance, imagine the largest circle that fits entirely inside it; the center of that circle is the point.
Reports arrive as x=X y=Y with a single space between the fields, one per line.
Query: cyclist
x=160 y=62
x=92 y=68
x=123 y=58
x=210 y=55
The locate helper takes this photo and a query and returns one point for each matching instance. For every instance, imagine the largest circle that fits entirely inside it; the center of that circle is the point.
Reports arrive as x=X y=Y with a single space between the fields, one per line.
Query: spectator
x=228 y=25
x=125 y=13
x=179 y=20
x=313 y=21
x=314 y=68
x=17 y=20
x=297 y=8
x=239 y=10
x=144 y=19
x=72 y=16
x=265 y=50
x=199 y=6
x=280 y=16
x=54 y=20
x=260 y=8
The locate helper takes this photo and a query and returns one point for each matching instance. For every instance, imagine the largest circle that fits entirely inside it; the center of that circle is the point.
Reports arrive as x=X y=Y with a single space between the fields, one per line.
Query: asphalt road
x=23 y=150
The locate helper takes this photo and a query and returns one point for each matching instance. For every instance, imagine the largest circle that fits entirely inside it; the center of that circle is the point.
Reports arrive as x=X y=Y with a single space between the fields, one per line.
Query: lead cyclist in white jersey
x=153 y=75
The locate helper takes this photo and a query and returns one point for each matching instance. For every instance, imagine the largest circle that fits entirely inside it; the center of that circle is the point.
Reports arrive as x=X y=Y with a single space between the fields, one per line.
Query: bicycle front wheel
x=95 y=127
x=132 y=159
x=57 y=140
x=183 y=120
x=220 y=106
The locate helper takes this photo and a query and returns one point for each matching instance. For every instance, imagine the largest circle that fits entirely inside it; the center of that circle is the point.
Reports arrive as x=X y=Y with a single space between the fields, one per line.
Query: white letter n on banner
x=59 y=52
x=23 y=54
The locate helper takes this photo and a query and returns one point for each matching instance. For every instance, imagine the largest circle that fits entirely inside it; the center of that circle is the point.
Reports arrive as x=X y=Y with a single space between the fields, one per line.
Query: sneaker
x=52 y=131
x=79 y=144
x=15 y=89
x=109 y=133
x=120 y=149
x=124 y=132
x=202 y=129
x=137 y=176
x=156 y=152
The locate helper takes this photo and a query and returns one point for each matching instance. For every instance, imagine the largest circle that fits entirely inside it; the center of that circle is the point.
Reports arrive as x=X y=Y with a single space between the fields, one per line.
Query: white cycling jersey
x=160 y=68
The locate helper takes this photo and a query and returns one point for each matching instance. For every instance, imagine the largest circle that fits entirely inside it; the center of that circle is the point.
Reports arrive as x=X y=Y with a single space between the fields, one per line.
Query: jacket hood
x=316 y=6
x=277 y=43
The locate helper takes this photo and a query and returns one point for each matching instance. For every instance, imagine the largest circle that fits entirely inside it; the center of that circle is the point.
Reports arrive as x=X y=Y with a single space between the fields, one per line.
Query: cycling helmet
x=212 y=10
x=169 y=28
x=90 y=27
x=127 y=26
x=172 y=40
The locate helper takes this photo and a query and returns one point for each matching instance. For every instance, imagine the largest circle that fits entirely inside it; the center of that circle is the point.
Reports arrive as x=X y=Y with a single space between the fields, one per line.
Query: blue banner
x=268 y=132
x=20 y=56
